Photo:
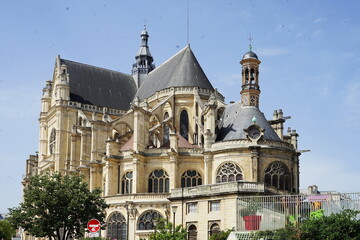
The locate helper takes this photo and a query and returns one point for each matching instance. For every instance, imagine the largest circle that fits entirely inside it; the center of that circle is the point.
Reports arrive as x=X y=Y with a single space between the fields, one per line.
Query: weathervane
x=145 y=22
x=250 y=39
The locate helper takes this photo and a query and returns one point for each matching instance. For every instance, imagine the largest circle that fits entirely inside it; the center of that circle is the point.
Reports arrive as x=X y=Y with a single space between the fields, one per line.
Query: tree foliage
x=222 y=235
x=342 y=225
x=57 y=206
x=164 y=231
x=6 y=230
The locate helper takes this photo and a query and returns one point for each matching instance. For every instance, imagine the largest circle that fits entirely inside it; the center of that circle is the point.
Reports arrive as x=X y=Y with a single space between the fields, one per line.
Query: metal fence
x=274 y=212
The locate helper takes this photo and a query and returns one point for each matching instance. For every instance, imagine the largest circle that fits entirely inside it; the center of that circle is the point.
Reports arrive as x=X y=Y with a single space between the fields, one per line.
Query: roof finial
x=254 y=120
x=145 y=23
x=188 y=23
x=250 y=39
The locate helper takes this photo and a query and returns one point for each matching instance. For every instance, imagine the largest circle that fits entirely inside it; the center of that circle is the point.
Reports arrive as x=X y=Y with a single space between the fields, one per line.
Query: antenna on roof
x=188 y=24
x=250 y=39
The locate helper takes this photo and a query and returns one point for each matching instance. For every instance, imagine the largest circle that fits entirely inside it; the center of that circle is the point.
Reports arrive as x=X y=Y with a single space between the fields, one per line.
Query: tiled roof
x=237 y=118
x=182 y=70
x=99 y=86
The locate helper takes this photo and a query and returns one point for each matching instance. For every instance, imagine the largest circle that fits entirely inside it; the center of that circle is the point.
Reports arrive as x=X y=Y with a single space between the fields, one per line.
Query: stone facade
x=176 y=143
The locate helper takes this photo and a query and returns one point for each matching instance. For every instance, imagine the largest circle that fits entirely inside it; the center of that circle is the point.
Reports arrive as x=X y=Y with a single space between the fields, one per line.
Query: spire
x=250 y=46
x=250 y=89
x=143 y=60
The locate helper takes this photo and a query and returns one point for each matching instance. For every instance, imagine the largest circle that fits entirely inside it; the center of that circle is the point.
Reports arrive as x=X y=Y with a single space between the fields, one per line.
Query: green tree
x=343 y=225
x=6 y=230
x=57 y=207
x=164 y=231
x=222 y=235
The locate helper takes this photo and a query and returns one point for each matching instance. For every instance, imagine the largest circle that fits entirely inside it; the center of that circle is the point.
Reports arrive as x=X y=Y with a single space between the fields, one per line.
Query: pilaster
x=255 y=154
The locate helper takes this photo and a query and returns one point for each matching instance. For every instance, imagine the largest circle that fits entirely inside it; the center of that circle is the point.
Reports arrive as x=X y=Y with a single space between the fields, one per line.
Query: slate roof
x=99 y=86
x=236 y=118
x=250 y=54
x=182 y=70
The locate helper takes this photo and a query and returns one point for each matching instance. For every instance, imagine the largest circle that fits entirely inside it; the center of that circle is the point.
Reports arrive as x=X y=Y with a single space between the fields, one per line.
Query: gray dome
x=250 y=54
x=236 y=118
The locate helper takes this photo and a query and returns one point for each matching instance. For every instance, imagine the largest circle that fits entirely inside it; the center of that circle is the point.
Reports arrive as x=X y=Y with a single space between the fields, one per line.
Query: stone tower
x=250 y=90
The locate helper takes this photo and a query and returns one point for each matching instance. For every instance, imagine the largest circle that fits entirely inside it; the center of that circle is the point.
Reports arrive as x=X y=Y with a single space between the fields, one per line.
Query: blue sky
x=310 y=67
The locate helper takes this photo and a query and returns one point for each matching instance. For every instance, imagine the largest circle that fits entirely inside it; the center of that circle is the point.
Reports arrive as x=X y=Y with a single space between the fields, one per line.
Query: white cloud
x=270 y=52
x=319 y=20
x=316 y=33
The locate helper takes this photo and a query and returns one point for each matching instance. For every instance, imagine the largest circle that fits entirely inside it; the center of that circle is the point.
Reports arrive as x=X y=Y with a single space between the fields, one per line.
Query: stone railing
x=219 y=188
x=183 y=90
x=247 y=143
x=93 y=108
x=137 y=197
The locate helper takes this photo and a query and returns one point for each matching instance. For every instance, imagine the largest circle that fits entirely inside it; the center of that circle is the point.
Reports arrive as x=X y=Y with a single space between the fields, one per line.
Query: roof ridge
x=96 y=67
x=184 y=49
x=178 y=64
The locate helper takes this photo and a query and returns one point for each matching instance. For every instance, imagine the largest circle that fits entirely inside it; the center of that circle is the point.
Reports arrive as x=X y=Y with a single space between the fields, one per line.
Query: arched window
x=192 y=232
x=247 y=76
x=228 y=172
x=278 y=175
x=158 y=181
x=166 y=129
x=146 y=220
x=116 y=226
x=191 y=178
x=214 y=228
x=52 y=141
x=184 y=124
x=126 y=183
x=252 y=76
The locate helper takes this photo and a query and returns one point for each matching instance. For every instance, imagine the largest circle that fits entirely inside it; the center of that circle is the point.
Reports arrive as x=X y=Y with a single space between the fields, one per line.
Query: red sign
x=93 y=225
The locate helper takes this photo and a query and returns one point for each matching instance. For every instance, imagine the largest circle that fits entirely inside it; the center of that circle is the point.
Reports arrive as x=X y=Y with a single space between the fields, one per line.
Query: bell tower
x=144 y=61
x=250 y=89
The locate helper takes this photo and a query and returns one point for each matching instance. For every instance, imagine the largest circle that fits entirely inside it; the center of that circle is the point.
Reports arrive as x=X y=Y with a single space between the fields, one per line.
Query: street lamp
x=173 y=209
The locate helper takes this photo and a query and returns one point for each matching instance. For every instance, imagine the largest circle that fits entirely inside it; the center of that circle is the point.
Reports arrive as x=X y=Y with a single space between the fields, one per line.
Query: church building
x=162 y=142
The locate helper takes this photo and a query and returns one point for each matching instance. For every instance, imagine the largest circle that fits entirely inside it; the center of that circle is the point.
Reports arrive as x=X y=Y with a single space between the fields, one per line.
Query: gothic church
x=161 y=142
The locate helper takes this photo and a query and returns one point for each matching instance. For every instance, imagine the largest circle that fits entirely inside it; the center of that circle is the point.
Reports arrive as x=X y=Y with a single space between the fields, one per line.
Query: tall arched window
x=214 y=228
x=191 y=178
x=247 y=76
x=184 y=124
x=52 y=141
x=278 y=175
x=158 y=181
x=228 y=172
x=116 y=226
x=192 y=232
x=126 y=183
x=146 y=220
x=166 y=128
x=252 y=76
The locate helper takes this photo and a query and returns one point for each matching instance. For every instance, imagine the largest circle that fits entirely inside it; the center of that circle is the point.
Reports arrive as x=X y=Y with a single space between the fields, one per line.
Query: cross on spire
x=250 y=39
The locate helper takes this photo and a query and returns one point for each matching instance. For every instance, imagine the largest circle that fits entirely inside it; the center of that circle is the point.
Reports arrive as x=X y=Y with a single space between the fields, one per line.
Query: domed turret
x=250 y=89
x=250 y=54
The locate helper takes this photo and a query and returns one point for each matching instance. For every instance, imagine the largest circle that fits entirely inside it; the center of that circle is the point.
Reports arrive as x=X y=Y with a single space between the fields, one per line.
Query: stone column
x=255 y=153
x=208 y=162
x=111 y=173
